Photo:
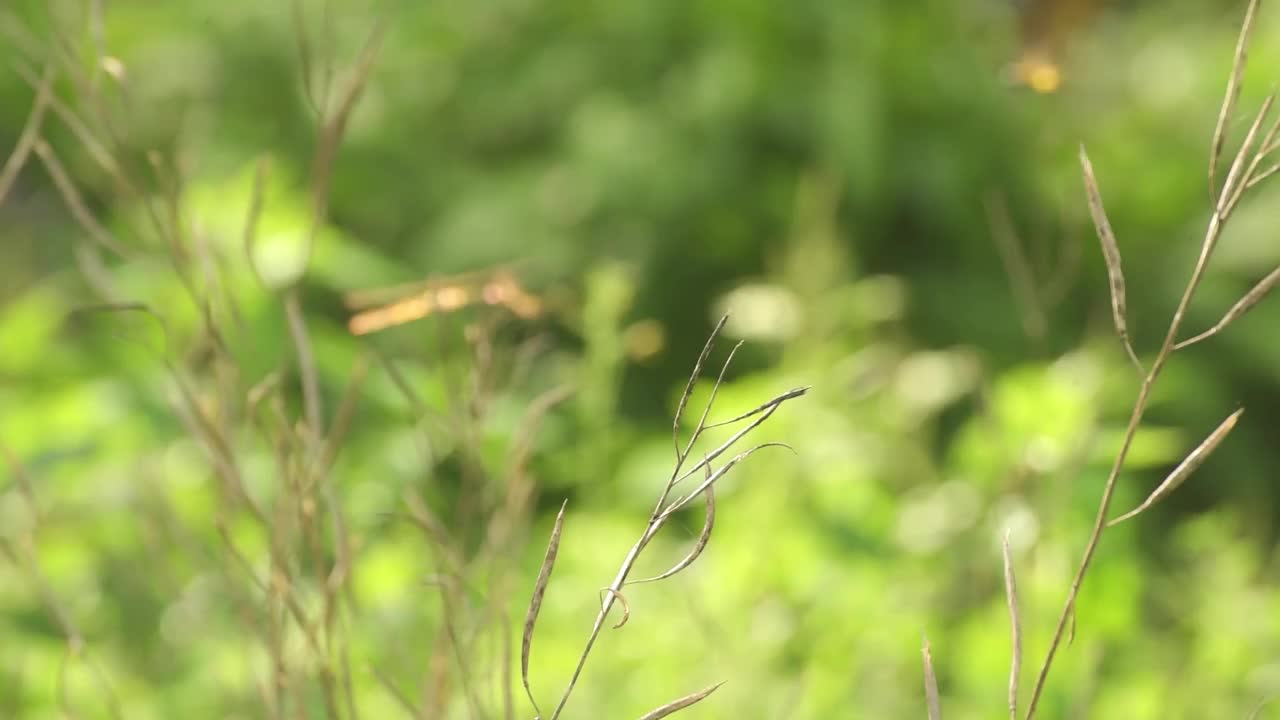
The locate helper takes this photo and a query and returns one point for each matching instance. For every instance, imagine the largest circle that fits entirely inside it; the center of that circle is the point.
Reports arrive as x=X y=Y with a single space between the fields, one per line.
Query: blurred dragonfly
x=382 y=308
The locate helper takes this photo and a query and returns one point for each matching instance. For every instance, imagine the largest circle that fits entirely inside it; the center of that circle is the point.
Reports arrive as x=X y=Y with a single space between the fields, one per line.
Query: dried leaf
x=1185 y=468
x=535 y=603
x=1011 y=594
x=1111 y=253
x=680 y=704
x=930 y=683
x=1242 y=306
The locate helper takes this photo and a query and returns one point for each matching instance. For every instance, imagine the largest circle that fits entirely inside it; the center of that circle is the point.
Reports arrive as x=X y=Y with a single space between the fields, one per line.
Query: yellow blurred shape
x=1038 y=72
x=644 y=339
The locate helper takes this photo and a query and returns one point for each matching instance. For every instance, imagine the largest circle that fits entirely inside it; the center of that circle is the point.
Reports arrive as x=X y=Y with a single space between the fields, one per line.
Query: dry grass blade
x=1234 y=83
x=769 y=408
x=930 y=683
x=335 y=127
x=788 y=395
x=688 y=388
x=1186 y=467
x=1015 y=621
x=1111 y=253
x=1258 y=177
x=255 y=211
x=1238 y=178
x=698 y=547
x=1242 y=306
x=1257 y=709
x=682 y=703
x=706 y=409
x=311 y=399
x=535 y=603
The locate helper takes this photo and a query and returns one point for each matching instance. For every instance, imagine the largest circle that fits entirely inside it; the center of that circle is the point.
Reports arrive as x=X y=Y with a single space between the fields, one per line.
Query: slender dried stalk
x=1015 y=632
x=1234 y=83
x=1212 y=235
x=1238 y=178
x=666 y=507
x=930 y=683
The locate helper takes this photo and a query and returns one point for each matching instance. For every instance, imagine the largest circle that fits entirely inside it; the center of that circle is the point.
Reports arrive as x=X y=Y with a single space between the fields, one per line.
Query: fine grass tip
x=682 y=703
x=1234 y=83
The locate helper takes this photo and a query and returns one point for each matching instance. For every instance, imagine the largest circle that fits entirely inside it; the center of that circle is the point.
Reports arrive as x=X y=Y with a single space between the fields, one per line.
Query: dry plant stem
x=74 y=201
x=1235 y=186
x=665 y=507
x=306 y=363
x=1211 y=237
x=1244 y=305
x=656 y=522
x=930 y=683
x=1015 y=621
x=30 y=134
x=1234 y=82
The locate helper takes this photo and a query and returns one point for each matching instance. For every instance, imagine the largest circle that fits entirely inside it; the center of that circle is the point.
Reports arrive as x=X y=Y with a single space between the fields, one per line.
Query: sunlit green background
x=845 y=178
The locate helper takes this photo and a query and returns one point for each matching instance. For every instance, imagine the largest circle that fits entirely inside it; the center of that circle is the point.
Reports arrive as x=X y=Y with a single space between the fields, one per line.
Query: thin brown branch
x=29 y=136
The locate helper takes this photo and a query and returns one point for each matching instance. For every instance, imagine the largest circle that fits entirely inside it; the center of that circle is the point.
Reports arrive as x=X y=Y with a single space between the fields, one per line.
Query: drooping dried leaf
x=1186 y=467
x=535 y=603
x=678 y=505
x=698 y=547
x=626 y=606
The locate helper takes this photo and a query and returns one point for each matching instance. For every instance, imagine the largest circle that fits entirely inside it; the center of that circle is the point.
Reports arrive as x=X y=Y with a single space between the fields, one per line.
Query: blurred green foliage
x=838 y=175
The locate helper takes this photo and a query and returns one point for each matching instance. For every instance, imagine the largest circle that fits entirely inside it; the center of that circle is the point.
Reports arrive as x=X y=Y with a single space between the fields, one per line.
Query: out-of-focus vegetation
x=219 y=502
